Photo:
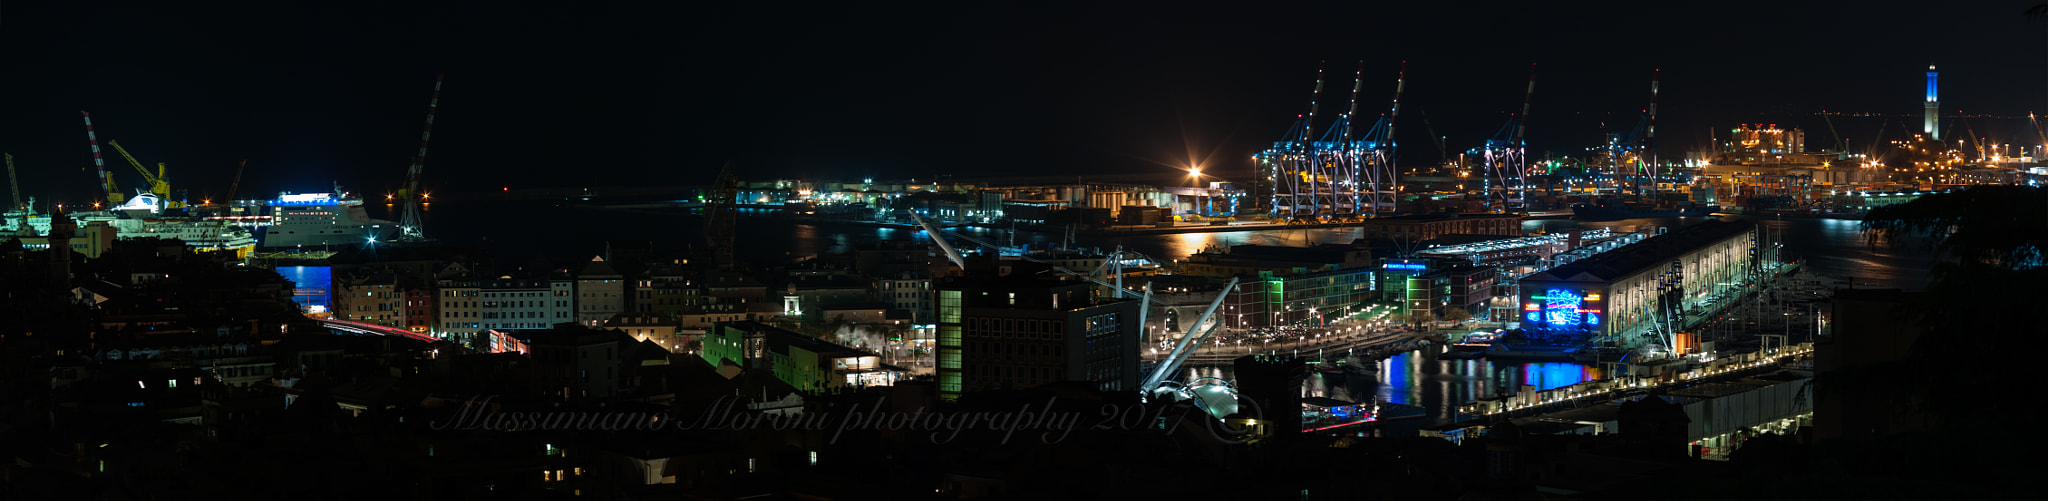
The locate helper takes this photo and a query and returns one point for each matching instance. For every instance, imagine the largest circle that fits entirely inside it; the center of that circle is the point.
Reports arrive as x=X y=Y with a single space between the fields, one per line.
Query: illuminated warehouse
x=1635 y=290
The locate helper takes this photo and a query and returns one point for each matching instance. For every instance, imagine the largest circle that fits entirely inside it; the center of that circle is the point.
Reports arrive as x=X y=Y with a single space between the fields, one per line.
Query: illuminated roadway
x=363 y=328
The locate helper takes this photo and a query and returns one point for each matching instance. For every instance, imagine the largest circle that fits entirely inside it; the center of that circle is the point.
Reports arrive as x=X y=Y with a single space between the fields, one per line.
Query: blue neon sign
x=1561 y=307
x=1407 y=267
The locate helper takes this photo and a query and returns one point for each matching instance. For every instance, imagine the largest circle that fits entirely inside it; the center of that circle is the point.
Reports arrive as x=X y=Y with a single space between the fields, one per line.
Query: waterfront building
x=1426 y=227
x=1031 y=327
x=1454 y=286
x=1624 y=291
x=600 y=293
x=1268 y=299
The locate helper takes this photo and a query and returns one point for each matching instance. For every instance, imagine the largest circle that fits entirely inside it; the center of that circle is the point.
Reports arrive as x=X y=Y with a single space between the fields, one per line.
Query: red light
x=508 y=188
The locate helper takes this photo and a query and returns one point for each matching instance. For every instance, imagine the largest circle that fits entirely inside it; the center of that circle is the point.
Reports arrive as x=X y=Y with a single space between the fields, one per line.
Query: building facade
x=1020 y=331
x=600 y=293
x=1633 y=290
x=1426 y=227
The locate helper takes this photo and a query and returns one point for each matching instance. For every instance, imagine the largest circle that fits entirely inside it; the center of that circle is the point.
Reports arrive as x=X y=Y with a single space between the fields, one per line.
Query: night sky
x=542 y=94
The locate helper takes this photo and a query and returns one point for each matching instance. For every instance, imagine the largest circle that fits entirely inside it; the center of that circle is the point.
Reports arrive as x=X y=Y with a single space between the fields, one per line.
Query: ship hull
x=320 y=221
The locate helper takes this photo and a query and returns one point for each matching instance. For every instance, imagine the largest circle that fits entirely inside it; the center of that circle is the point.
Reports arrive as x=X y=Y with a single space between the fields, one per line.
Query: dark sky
x=609 y=93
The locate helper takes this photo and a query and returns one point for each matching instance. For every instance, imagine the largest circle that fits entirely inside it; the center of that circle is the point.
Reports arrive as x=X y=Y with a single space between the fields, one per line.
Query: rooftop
x=1649 y=253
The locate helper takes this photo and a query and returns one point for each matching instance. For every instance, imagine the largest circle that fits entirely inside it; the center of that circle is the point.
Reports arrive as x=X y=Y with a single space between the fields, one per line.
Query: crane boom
x=409 y=224
x=156 y=183
x=238 y=181
x=13 y=183
x=1841 y=149
x=1357 y=82
x=1522 y=122
x=114 y=195
x=1308 y=127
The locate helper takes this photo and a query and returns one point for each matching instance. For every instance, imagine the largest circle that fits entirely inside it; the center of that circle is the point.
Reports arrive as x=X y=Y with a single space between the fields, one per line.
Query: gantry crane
x=156 y=182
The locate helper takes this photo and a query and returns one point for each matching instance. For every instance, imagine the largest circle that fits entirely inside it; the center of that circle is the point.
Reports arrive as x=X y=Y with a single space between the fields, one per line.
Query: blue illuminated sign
x=1407 y=267
x=1561 y=307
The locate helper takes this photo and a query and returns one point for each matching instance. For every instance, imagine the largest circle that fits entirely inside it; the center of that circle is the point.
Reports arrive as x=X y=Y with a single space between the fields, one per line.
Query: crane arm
x=13 y=183
x=238 y=180
x=146 y=176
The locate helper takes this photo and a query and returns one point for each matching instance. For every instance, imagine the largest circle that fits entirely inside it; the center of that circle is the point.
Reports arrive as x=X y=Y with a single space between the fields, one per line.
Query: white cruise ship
x=315 y=220
x=140 y=218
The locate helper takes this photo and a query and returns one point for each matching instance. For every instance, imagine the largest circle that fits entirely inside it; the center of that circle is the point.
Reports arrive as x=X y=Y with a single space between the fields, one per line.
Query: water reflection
x=1419 y=379
x=309 y=284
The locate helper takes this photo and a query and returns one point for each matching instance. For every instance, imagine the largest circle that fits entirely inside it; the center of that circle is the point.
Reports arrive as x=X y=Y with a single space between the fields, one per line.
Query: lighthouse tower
x=1932 y=127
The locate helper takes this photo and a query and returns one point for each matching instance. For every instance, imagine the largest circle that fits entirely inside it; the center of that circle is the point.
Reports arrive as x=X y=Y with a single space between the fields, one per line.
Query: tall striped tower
x=1933 y=125
x=113 y=194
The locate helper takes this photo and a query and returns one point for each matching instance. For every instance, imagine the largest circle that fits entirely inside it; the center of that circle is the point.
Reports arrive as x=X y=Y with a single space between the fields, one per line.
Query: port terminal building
x=1639 y=288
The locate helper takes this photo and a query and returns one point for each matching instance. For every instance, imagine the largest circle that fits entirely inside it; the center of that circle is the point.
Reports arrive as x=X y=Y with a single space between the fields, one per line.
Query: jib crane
x=114 y=195
x=409 y=224
x=13 y=183
x=238 y=181
x=156 y=182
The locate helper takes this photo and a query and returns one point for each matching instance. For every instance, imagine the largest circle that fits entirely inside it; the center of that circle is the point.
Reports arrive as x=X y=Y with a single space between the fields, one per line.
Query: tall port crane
x=1841 y=148
x=238 y=181
x=156 y=183
x=1973 y=134
x=114 y=195
x=409 y=225
x=13 y=183
x=1506 y=159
